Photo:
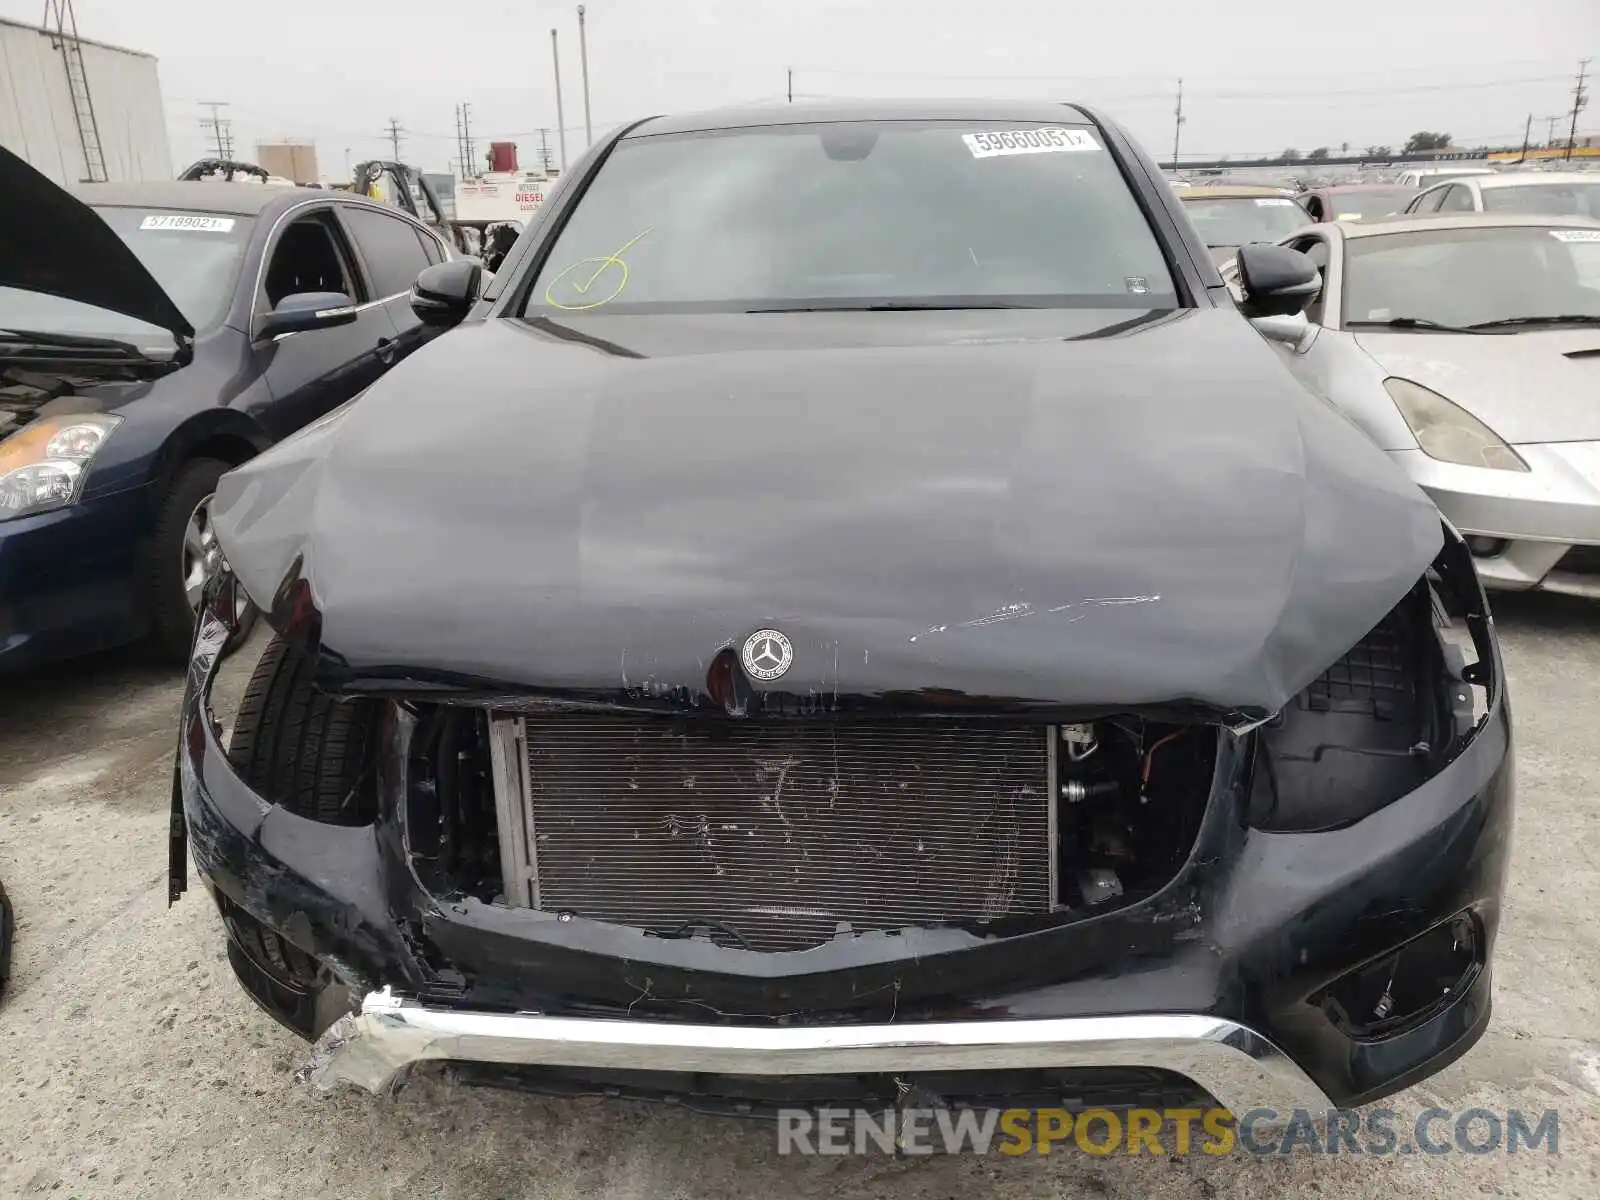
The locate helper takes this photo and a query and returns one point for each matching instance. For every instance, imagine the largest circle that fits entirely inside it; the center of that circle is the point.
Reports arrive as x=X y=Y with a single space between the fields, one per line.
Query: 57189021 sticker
x=1048 y=140
x=191 y=222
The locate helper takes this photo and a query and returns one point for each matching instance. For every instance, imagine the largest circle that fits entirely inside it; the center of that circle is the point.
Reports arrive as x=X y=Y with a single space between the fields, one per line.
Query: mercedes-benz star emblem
x=767 y=654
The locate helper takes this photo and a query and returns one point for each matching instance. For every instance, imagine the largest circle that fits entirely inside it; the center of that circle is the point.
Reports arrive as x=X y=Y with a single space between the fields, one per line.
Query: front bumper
x=67 y=579
x=1235 y=1065
x=1535 y=517
x=1217 y=978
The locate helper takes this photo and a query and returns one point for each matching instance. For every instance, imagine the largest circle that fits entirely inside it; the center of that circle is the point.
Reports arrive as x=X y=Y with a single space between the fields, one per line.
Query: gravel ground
x=132 y=1065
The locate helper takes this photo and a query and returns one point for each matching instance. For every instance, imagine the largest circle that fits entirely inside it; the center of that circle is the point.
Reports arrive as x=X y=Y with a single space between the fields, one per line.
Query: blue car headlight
x=44 y=465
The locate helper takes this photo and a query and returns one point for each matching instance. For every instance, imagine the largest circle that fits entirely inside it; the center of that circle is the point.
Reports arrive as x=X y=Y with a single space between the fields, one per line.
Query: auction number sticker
x=193 y=222
x=1576 y=235
x=1049 y=140
x=1274 y=202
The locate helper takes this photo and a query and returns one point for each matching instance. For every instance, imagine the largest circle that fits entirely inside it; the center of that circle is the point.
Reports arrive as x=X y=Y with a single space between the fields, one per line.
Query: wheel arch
x=220 y=433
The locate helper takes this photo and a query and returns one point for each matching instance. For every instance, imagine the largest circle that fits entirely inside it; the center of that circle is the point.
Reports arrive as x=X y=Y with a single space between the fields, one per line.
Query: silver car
x=1469 y=348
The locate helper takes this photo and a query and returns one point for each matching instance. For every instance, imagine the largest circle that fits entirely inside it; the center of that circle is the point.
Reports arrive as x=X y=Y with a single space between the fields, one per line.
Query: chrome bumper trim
x=1238 y=1067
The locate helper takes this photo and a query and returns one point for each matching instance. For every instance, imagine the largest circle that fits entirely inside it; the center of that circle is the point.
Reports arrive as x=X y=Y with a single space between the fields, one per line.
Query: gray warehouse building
x=79 y=110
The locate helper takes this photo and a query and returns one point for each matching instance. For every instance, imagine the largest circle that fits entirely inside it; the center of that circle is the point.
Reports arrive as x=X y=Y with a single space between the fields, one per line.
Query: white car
x=1469 y=348
x=1427 y=176
x=1556 y=193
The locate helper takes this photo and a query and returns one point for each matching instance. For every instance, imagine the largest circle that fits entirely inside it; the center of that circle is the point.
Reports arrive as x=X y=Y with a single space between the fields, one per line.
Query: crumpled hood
x=979 y=520
x=1537 y=386
x=57 y=245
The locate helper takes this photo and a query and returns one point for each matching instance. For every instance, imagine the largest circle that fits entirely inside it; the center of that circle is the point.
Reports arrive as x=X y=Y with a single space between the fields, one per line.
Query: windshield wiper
x=1565 y=319
x=33 y=338
x=1416 y=323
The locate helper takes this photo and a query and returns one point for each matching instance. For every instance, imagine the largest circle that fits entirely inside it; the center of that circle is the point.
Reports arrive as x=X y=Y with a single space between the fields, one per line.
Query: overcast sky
x=1258 y=77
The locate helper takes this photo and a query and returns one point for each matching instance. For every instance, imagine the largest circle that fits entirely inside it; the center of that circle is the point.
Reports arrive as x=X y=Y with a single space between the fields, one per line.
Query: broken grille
x=774 y=837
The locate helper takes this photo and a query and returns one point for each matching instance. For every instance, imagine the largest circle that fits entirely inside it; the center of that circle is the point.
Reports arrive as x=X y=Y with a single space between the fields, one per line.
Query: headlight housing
x=1448 y=432
x=43 y=466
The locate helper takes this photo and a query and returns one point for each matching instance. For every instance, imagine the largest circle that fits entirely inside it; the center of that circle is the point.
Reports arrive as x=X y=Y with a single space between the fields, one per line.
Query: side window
x=1317 y=251
x=390 y=247
x=310 y=256
x=1457 y=198
x=1313 y=206
x=432 y=248
x=1430 y=200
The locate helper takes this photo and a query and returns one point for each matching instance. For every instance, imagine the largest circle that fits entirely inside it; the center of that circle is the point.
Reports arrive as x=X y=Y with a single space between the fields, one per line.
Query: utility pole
x=1579 y=99
x=544 y=150
x=394 y=137
x=219 y=127
x=1527 y=132
x=469 y=152
x=1550 y=131
x=791 y=85
x=583 y=57
x=1177 y=125
x=561 y=120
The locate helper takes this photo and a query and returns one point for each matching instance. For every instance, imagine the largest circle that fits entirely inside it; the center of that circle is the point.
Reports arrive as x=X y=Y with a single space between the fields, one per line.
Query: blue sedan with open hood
x=152 y=336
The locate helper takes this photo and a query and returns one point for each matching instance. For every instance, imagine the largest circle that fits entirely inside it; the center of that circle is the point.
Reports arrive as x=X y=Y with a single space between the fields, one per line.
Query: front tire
x=184 y=552
x=310 y=753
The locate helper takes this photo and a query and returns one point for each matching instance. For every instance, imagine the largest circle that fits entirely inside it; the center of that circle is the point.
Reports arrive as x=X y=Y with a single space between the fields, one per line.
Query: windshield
x=856 y=215
x=1551 y=199
x=193 y=256
x=1469 y=276
x=1362 y=206
x=1239 y=220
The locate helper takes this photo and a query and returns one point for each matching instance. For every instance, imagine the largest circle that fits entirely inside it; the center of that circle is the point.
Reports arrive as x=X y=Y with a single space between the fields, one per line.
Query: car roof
x=739 y=117
x=1420 y=224
x=1236 y=191
x=238 y=199
x=1339 y=189
x=1533 y=178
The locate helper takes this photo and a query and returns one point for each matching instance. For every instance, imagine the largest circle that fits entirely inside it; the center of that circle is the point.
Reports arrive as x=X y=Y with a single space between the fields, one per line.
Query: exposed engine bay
x=781 y=836
x=30 y=392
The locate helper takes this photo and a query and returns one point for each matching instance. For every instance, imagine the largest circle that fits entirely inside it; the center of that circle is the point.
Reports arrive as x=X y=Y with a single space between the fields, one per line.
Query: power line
x=1225 y=95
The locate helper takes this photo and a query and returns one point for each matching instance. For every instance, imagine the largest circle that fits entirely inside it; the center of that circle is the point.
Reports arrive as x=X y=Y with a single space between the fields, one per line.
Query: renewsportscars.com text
x=1374 y=1131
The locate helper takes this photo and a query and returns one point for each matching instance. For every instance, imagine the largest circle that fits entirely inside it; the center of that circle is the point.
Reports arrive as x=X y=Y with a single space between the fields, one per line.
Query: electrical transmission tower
x=221 y=128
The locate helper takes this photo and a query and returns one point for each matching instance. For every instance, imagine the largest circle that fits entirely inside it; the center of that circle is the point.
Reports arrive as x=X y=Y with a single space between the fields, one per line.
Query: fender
x=222 y=432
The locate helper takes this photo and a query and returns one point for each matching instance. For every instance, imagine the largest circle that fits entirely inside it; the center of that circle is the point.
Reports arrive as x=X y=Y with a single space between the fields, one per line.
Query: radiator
x=775 y=836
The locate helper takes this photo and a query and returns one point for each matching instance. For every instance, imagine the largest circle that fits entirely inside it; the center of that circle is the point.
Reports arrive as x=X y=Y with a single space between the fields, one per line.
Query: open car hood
x=68 y=251
x=605 y=509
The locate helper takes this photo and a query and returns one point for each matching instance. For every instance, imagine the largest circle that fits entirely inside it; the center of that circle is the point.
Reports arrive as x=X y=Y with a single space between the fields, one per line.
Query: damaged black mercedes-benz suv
x=870 y=618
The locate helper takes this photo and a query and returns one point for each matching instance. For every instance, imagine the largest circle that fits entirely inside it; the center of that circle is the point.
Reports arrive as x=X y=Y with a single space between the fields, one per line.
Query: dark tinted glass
x=390 y=247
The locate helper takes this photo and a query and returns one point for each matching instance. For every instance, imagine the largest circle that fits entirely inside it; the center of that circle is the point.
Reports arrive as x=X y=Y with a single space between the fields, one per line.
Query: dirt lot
x=132 y=1065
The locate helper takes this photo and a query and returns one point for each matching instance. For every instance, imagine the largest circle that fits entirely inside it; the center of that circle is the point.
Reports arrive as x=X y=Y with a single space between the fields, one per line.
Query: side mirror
x=1293 y=330
x=1275 y=281
x=305 y=311
x=445 y=292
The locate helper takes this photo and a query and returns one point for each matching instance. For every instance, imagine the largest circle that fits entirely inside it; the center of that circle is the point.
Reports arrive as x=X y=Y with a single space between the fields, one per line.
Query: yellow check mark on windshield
x=614 y=259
